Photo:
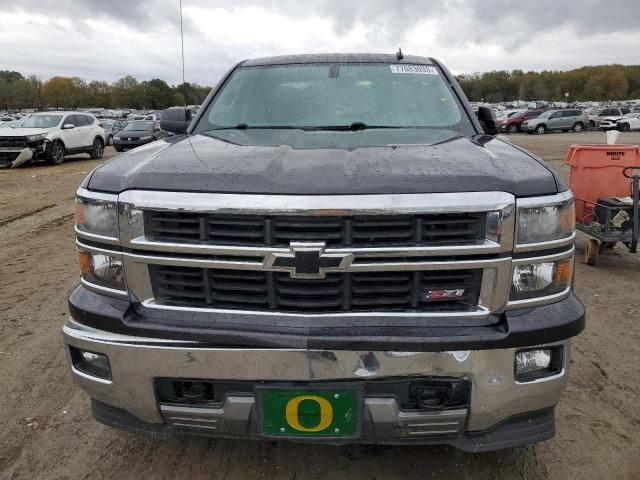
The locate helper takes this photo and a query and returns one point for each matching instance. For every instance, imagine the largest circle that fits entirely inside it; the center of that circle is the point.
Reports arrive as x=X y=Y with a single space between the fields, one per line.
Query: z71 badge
x=451 y=293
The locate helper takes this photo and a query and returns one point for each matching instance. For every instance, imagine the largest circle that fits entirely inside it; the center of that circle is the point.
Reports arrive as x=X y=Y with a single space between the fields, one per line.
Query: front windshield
x=107 y=125
x=39 y=121
x=138 y=126
x=316 y=96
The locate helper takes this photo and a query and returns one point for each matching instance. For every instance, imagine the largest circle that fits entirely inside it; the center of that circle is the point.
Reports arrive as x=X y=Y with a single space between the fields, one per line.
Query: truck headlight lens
x=541 y=279
x=543 y=223
x=97 y=216
x=103 y=270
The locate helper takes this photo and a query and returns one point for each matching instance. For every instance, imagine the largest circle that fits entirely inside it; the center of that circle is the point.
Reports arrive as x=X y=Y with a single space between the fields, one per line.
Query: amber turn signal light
x=85 y=262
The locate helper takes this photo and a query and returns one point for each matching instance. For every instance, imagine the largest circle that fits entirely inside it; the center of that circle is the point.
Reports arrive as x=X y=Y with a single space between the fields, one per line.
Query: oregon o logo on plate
x=325 y=417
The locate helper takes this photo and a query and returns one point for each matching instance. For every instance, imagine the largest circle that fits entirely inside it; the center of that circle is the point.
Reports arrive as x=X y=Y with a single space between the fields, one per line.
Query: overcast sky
x=107 y=39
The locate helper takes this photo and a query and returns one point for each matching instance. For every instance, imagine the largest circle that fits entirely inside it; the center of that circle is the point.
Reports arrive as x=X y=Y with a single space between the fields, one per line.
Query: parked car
x=334 y=251
x=6 y=118
x=606 y=113
x=504 y=115
x=513 y=123
x=111 y=127
x=630 y=122
x=50 y=136
x=136 y=133
x=564 y=120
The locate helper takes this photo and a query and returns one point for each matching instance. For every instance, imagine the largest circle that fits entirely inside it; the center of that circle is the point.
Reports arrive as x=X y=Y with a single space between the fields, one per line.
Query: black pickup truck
x=334 y=251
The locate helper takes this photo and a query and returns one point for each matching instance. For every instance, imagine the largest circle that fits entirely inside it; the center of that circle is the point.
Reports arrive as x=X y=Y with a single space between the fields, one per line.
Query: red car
x=512 y=124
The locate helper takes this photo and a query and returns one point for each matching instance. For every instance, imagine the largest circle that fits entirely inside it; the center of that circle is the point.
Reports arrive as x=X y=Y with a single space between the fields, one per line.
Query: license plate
x=321 y=413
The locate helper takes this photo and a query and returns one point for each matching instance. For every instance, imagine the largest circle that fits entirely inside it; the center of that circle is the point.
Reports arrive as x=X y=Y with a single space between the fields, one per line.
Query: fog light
x=90 y=363
x=538 y=363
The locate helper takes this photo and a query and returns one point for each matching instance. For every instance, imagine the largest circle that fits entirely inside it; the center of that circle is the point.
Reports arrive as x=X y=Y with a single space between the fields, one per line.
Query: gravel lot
x=47 y=432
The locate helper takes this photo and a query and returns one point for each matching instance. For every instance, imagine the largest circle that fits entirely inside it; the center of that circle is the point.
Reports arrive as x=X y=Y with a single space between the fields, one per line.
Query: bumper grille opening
x=415 y=394
x=335 y=232
x=428 y=291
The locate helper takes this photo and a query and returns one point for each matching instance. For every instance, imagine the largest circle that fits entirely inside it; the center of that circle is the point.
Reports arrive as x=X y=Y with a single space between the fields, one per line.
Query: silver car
x=111 y=127
x=564 y=120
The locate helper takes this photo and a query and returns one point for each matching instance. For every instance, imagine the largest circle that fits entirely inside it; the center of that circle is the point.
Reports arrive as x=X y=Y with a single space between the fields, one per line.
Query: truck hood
x=201 y=163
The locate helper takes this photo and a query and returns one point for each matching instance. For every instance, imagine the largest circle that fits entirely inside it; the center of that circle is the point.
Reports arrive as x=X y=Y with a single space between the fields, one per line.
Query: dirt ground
x=46 y=431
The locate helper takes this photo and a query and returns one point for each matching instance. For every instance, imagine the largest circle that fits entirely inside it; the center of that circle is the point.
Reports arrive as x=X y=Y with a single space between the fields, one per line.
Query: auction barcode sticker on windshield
x=419 y=69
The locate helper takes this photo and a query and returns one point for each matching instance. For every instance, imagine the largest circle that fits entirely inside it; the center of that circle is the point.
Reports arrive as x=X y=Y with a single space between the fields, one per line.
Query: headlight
x=103 y=270
x=36 y=138
x=149 y=137
x=97 y=216
x=541 y=279
x=117 y=137
x=545 y=219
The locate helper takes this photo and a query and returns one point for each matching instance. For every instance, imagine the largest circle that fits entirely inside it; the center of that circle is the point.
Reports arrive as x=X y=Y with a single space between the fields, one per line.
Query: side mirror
x=487 y=119
x=176 y=120
x=68 y=126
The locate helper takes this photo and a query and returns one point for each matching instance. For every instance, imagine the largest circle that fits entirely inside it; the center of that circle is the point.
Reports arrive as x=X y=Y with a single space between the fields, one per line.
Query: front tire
x=541 y=129
x=55 y=153
x=624 y=127
x=98 y=149
x=513 y=128
x=578 y=127
x=592 y=125
x=110 y=140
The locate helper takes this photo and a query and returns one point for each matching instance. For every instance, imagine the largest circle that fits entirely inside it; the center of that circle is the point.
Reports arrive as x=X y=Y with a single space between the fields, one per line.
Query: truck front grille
x=13 y=142
x=335 y=232
x=419 y=291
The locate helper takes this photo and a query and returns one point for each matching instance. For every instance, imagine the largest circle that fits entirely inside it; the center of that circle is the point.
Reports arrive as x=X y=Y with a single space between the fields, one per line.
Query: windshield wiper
x=244 y=126
x=352 y=127
x=357 y=126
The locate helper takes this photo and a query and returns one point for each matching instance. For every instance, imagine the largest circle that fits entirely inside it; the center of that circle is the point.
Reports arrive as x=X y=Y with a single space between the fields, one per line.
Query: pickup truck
x=334 y=250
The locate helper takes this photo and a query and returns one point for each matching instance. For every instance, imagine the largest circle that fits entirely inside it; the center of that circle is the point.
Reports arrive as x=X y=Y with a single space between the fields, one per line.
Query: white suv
x=50 y=136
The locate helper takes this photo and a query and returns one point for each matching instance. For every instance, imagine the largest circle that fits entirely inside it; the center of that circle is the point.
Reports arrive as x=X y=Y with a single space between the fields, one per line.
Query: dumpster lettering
x=615 y=155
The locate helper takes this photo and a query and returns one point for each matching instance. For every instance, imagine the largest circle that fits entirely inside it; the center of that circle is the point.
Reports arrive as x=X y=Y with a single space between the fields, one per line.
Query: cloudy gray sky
x=107 y=39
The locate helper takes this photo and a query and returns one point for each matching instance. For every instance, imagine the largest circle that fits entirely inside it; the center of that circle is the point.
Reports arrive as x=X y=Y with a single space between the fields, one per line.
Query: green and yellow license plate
x=293 y=412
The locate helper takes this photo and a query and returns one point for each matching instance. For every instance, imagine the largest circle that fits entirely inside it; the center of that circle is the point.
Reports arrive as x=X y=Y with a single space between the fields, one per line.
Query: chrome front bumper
x=136 y=363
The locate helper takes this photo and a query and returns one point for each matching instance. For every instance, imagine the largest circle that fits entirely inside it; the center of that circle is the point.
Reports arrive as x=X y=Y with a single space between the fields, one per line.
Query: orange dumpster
x=596 y=172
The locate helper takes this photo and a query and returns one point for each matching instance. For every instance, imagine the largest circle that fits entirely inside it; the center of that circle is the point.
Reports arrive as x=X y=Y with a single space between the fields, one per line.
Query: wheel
x=541 y=129
x=118 y=149
x=578 y=127
x=55 y=153
x=624 y=127
x=513 y=128
x=110 y=140
x=98 y=149
x=591 y=251
x=592 y=124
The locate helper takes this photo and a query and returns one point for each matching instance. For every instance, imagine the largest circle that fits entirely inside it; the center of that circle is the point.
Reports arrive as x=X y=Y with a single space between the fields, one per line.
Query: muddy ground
x=46 y=430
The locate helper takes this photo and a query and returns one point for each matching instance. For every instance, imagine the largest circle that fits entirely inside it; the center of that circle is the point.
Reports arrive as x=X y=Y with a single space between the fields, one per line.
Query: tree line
x=596 y=83
x=24 y=92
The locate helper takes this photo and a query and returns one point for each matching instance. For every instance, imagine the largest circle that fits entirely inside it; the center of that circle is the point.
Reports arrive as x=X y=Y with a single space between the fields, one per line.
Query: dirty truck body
x=335 y=252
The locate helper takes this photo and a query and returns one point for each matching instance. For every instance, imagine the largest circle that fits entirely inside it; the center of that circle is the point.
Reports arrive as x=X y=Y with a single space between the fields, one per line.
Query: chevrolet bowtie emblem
x=308 y=260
